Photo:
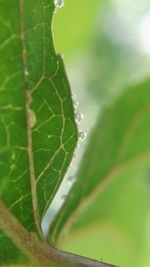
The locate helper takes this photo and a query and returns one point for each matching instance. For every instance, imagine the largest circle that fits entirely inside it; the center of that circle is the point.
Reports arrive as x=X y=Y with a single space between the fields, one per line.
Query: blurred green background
x=106 y=47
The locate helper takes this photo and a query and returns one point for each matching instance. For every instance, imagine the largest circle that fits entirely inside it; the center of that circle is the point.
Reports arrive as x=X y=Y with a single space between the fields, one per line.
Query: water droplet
x=73 y=96
x=78 y=117
x=75 y=103
x=63 y=197
x=82 y=135
x=71 y=180
x=59 y=3
x=62 y=56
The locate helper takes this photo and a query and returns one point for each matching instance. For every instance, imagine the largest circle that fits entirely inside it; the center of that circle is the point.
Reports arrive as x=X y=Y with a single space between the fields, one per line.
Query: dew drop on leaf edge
x=78 y=117
x=73 y=96
x=59 y=3
x=63 y=197
x=82 y=135
x=75 y=104
x=71 y=180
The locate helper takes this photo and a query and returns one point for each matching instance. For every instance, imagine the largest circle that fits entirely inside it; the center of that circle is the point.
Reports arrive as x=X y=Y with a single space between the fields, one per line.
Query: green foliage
x=38 y=135
x=37 y=129
x=118 y=149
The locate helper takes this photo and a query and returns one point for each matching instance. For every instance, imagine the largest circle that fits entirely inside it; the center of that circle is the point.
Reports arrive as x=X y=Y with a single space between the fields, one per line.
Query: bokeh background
x=106 y=47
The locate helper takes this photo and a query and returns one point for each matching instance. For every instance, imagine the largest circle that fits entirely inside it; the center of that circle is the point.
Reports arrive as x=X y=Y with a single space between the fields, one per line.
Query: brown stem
x=40 y=252
x=73 y=260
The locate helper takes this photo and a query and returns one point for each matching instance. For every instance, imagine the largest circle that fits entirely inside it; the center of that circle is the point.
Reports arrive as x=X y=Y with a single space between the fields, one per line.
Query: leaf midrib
x=28 y=119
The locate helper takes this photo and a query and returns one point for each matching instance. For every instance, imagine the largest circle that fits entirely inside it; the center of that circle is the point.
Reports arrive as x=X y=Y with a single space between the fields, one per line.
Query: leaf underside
x=38 y=133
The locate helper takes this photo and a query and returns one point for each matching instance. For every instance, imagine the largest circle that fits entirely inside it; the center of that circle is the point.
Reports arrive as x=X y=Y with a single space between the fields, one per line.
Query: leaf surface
x=37 y=128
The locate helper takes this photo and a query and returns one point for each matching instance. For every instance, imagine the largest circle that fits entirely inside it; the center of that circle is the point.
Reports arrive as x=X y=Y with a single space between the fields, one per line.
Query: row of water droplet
x=78 y=118
x=71 y=180
x=82 y=136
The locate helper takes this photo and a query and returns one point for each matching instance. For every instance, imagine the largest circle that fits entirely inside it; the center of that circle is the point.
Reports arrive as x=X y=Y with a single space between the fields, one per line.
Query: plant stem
x=40 y=252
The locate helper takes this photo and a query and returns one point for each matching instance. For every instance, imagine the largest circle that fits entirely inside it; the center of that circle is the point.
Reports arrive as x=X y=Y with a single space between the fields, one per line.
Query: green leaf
x=37 y=129
x=118 y=149
x=114 y=225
